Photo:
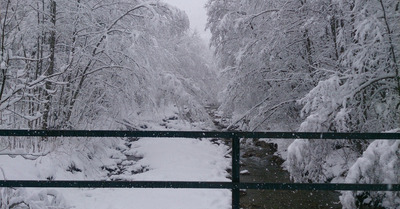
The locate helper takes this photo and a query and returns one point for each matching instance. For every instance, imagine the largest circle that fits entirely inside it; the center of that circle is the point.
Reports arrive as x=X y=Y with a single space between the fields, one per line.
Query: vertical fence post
x=236 y=172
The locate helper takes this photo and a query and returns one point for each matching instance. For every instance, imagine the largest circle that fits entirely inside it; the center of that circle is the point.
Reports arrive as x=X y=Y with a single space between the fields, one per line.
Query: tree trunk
x=50 y=70
x=2 y=55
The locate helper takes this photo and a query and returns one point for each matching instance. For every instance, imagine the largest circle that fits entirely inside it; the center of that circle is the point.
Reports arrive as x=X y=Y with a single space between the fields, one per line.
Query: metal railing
x=235 y=185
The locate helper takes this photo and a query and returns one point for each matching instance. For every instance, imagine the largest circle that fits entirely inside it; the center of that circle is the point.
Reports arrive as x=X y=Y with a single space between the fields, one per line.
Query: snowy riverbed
x=164 y=159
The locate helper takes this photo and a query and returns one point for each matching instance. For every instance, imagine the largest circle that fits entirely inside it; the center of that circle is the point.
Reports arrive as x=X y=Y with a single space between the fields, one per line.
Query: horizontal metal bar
x=198 y=134
x=199 y=185
x=316 y=186
x=117 y=184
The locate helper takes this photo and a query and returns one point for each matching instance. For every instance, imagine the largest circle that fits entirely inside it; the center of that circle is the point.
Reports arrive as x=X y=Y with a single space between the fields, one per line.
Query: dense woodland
x=337 y=61
x=78 y=64
x=316 y=66
x=304 y=65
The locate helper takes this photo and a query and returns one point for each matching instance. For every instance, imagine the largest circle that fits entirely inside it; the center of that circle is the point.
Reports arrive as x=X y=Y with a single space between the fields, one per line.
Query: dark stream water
x=267 y=168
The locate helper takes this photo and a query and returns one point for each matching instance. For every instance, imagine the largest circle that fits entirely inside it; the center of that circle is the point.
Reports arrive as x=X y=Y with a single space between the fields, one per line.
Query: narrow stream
x=267 y=168
x=264 y=167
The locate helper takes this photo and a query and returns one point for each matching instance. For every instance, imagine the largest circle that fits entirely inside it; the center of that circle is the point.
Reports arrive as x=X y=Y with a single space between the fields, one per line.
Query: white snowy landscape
x=163 y=159
x=261 y=65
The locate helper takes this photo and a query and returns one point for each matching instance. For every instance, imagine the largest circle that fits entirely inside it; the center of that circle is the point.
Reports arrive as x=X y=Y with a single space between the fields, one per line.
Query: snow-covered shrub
x=328 y=107
x=379 y=164
x=47 y=199
x=11 y=198
x=319 y=160
x=302 y=161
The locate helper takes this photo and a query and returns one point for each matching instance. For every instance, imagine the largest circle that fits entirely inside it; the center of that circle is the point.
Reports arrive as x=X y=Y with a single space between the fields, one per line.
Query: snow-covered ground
x=147 y=198
x=164 y=159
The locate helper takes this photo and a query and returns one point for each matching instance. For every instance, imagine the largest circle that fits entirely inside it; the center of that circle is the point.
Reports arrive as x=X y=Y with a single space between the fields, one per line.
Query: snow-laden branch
x=369 y=83
x=248 y=113
x=271 y=111
x=144 y=5
x=29 y=59
x=252 y=17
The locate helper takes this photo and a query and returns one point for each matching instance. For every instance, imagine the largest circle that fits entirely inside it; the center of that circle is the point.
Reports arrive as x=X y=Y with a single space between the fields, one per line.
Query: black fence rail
x=235 y=185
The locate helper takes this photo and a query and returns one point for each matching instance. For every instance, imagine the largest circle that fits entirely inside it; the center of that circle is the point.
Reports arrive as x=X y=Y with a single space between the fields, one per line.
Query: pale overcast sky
x=196 y=12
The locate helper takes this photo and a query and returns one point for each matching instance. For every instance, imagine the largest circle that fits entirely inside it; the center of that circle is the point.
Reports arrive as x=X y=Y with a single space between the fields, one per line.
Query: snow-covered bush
x=302 y=161
x=379 y=164
x=11 y=198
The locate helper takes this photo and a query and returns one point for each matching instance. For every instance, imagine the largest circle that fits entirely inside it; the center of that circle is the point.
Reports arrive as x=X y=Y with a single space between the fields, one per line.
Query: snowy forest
x=271 y=65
